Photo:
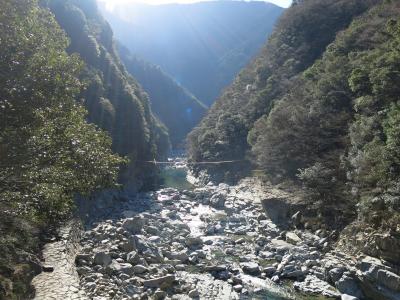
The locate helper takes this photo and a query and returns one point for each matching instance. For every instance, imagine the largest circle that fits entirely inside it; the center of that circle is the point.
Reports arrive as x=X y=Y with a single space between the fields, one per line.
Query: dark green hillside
x=48 y=152
x=113 y=98
x=301 y=36
x=323 y=115
x=179 y=110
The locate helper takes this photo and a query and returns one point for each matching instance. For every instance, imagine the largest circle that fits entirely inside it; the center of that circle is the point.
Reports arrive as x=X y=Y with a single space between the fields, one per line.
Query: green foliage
x=321 y=106
x=114 y=100
x=301 y=36
x=48 y=152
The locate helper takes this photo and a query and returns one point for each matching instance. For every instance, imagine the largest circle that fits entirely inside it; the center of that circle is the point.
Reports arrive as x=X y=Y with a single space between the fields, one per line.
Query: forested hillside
x=48 y=152
x=176 y=107
x=201 y=45
x=319 y=107
x=113 y=98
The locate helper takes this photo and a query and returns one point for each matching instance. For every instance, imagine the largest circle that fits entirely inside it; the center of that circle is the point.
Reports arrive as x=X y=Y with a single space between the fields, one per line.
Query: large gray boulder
x=133 y=257
x=139 y=269
x=126 y=268
x=314 y=285
x=160 y=282
x=292 y=238
x=134 y=225
x=251 y=268
x=102 y=258
x=348 y=285
x=218 y=200
x=113 y=267
x=193 y=241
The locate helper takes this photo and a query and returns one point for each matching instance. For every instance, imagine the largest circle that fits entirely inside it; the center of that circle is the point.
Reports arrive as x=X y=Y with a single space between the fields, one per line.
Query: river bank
x=213 y=242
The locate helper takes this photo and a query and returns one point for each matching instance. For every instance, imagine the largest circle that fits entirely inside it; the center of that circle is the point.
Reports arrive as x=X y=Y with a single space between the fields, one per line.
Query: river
x=178 y=242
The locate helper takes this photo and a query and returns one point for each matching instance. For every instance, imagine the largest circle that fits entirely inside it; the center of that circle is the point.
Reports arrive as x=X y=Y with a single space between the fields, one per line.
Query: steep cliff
x=113 y=98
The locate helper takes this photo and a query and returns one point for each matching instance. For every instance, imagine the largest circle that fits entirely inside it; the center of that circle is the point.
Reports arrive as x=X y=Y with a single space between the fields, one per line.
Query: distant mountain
x=176 y=107
x=202 y=45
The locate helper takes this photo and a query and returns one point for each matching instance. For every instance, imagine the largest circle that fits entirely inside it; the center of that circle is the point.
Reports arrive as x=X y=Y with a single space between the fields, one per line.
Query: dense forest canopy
x=48 y=151
x=113 y=98
x=319 y=106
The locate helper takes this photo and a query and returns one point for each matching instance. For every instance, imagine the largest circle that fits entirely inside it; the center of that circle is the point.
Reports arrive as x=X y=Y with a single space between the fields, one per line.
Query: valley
x=207 y=242
x=210 y=150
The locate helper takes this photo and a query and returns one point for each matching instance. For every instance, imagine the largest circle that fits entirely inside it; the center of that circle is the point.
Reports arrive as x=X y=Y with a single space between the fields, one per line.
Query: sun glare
x=111 y=4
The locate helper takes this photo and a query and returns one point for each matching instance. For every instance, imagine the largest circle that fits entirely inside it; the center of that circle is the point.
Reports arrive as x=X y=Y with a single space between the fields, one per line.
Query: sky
x=110 y=4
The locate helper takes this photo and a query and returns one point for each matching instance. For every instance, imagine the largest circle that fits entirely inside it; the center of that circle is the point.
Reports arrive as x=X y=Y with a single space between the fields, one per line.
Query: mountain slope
x=301 y=36
x=179 y=110
x=202 y=45
x=321 y=112
x=113 y=98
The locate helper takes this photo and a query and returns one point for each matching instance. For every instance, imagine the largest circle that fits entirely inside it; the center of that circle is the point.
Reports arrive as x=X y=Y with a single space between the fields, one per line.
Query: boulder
x=250 y=268
x=389 y=279
x=218 y=200
x=281 y=245
x=348 y=285
x=160 y=282
x=296 y=219
x=159 y=295
x=388 y=247
x=238 y=288
x=269 y=271
x=126 y=268
x=133 y=257
x=152 y=230
x=113 y=267
x=193 y=241
x=139 y=269
x=215 y=268
x=313 y=285
x=181 y=256
x=102 y=259
x=134 y=225
x=292 y=238
x=280 y=206
x=336 y=273
x=194 y=294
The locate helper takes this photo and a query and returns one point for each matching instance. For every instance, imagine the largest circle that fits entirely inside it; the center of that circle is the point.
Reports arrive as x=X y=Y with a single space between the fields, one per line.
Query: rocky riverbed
x=215 y=242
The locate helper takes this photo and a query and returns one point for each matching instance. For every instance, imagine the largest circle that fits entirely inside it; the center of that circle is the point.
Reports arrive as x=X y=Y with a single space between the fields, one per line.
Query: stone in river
x=160 y=282
x=218 y=200
x=193 y=241
x=134 y=225
x=133 y=257
x=139 y=269
x=102 y=258
x=194 y=294
x=314 y=285
x=292 y=238
x=238 y=288
x=250 y=268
